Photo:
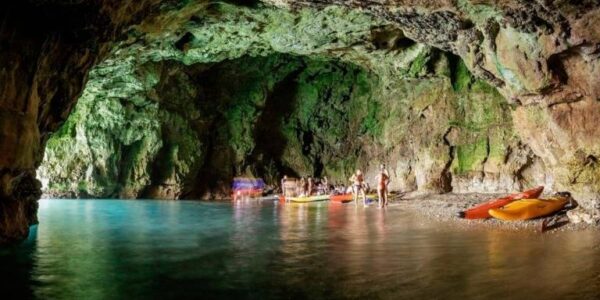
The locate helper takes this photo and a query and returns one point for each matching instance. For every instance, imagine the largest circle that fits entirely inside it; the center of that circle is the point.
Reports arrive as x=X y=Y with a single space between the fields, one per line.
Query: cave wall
x=543 y=56
x=167 y=130
x=44 y=65
x=423 y=113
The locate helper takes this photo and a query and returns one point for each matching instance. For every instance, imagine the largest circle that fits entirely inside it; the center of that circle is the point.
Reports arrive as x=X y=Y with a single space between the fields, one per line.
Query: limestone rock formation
x=542 y=56
x=154 y=127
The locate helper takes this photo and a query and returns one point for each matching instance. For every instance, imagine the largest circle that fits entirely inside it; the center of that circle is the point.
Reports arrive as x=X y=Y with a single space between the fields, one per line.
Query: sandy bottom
x=445 y=207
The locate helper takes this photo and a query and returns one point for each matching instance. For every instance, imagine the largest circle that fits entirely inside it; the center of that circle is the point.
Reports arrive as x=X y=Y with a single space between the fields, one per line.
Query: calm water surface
x=112 y=249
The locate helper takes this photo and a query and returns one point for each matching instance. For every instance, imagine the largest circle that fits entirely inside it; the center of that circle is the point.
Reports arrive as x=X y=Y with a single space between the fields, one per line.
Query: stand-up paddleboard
x=308 y=199
x=481 y=211
x=529 y=209
x=345 y=198
x=268 y=197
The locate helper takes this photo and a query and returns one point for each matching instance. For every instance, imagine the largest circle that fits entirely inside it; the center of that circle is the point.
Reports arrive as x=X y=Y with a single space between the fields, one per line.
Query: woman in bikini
x=383 y=179
x=358 y=187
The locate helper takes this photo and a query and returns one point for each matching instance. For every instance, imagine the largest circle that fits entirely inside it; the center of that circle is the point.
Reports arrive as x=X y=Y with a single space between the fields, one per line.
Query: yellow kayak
x=309 y=199
x=528 y=209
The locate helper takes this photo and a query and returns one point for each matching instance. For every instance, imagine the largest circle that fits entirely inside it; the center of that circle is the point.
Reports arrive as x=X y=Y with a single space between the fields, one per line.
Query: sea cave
x=149 y=110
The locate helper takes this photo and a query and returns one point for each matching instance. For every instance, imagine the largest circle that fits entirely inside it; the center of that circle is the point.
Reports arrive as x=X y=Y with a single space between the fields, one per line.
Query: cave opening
x=191 y=129
x=184 y=95
x=155 y=99
x=235 y=93
x=170 y=130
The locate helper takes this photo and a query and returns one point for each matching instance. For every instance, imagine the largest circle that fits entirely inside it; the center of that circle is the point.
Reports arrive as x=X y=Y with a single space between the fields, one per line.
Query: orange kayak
x=529 y=209
x=481 y=211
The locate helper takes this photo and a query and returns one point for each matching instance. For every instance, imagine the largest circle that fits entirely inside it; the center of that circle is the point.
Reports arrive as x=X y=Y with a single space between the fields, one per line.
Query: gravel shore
x=445 y=207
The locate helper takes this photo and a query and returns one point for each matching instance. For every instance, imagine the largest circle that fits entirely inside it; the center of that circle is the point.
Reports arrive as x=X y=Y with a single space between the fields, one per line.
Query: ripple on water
x=96 y=249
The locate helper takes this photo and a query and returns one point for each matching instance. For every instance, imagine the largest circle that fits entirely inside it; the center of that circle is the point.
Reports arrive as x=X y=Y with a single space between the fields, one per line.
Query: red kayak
x=343 y=198
x=481 y=211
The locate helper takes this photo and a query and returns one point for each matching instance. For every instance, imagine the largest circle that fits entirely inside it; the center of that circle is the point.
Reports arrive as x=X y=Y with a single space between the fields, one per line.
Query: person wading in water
x=302 y=187
x=358 y=187
x=383 y=179
x=284 y=187
x=325 y=185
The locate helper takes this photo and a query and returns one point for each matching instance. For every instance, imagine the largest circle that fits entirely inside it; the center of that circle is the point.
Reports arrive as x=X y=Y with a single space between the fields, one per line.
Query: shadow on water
x=17 y=264
x=102 y=249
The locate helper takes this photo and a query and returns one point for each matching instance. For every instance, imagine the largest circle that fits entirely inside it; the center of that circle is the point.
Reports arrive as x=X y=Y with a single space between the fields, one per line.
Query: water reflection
x=264 y=250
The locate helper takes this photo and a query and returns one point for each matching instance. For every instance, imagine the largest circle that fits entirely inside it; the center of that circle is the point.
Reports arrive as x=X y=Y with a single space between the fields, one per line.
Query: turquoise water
x=112 y=249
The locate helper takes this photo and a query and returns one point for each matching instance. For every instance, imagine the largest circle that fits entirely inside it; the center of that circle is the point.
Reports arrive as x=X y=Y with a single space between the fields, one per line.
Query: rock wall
x=324 y=109
x=46 y=49
x=541 y=55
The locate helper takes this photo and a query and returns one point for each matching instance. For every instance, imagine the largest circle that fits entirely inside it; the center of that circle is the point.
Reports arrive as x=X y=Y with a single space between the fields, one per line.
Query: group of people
x=305 y=186
x=358 y=187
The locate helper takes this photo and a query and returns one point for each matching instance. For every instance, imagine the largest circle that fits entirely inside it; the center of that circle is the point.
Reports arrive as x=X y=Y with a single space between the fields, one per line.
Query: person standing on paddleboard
x=358 y=181
x=383 y=180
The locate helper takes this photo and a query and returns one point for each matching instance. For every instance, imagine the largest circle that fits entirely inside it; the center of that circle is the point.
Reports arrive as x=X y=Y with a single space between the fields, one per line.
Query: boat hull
x=482 y=211
x=527 y=209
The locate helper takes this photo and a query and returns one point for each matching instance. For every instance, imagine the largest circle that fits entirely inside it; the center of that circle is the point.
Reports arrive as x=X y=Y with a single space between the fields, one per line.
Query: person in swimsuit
x=325 y=184
x=383 y=179
x=311 y=186
x=283 y=185
x=302 y=187
x=358 y=180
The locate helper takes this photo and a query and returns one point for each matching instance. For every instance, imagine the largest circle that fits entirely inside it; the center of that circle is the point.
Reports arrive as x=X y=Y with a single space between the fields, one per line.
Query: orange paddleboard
x=343 y=198
x=481 y=211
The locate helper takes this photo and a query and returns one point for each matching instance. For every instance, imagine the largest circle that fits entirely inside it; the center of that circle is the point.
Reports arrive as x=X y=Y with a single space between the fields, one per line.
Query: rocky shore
x=445 y=207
